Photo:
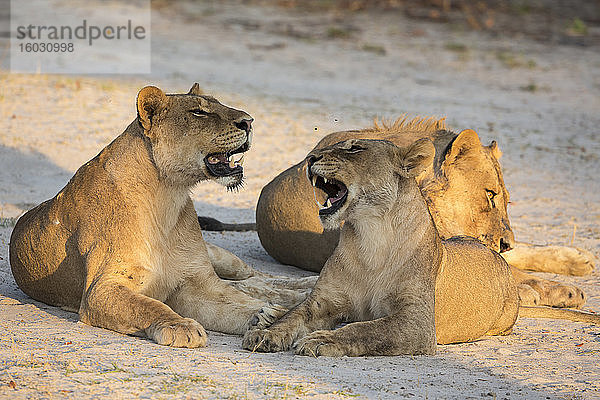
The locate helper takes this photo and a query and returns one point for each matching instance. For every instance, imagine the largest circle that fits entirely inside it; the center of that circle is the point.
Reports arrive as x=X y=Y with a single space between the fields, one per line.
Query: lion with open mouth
x=120 y=243
x=397 y=284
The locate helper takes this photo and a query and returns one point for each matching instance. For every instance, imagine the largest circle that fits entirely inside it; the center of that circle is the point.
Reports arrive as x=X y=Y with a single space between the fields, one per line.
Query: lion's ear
x=195 y=90
x=496 y=152
x=415 y=158
x=467 y=143
x=150 y=101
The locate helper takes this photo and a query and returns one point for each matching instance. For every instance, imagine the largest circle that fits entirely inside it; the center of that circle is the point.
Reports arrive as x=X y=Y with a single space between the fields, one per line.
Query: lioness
x=391 y=271
x=464 y=190
x=120 y=243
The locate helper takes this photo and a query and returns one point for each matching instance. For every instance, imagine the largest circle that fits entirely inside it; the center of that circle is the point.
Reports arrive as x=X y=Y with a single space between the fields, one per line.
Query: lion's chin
x=233 y=182
x=331 y=222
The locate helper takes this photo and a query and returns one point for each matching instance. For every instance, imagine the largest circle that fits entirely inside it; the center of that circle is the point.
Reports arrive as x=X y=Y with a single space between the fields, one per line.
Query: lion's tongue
x=339 y=195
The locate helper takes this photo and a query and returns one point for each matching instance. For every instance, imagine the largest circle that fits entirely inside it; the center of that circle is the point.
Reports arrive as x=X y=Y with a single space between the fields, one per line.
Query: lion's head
x=194 y=137
x=362 y=178
x=466 y=194
x=464 y=190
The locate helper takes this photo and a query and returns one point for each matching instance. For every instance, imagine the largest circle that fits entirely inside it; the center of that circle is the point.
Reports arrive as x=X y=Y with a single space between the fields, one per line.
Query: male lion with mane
x=121 y=244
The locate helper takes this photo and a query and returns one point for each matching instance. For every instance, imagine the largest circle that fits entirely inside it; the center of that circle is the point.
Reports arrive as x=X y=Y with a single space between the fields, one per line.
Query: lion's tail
x=559 y=313
x=211 y=224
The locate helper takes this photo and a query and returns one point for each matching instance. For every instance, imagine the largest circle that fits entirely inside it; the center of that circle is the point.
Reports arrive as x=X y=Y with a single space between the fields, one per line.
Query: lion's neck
x=396 y=233
x=159 y=201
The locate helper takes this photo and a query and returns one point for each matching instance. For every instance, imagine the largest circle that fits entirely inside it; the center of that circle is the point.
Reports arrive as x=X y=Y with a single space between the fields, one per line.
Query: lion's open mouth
x=337 y=192
x=225 y=164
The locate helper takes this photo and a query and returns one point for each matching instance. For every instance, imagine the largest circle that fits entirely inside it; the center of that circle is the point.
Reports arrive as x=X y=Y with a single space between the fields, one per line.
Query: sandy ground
x=299 y=77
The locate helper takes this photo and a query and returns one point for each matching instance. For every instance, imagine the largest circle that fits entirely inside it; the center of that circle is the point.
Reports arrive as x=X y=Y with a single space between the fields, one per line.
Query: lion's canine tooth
x=231 y=163
x=325 y=179
x=328 y=204
x=241 y=160
x=317 y=201
x=314 y=180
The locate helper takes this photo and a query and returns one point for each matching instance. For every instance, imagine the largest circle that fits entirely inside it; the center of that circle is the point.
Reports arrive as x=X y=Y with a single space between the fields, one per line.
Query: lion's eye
x=355 y=149
x=199 y=113
x=490 y=195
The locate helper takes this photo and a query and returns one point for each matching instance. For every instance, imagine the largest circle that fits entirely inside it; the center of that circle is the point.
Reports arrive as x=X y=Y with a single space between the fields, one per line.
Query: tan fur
x=400 y=287
x=457 y=187
x=121 y=243
x=399 y=291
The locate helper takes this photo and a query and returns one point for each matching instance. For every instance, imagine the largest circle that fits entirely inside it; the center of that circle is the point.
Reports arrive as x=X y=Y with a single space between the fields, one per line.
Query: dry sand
x=541 y=102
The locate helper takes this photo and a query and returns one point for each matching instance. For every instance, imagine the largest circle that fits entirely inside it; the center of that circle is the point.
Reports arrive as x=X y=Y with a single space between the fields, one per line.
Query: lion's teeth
x=231 y=163
x=325 y=179
x=240 y=162
x=314 y=180
x=328 y=204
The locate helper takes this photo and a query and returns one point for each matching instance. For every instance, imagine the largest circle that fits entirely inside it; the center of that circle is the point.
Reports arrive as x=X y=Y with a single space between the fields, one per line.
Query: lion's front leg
x=220 y=307
x=387 y=336
x=555 y=259
x=112 y=304
x=314 y=313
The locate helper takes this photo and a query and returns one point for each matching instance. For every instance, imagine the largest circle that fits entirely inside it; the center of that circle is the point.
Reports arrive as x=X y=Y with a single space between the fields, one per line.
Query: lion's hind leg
x=285 y=291
x=510 y=312
x=220 y=307
x=263 y=289
x=227 y=265
x=535 y=291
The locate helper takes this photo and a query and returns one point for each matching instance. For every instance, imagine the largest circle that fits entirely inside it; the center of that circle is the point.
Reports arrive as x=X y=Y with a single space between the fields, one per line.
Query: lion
x=466 y=195
x=120 y=243
x=398 y=284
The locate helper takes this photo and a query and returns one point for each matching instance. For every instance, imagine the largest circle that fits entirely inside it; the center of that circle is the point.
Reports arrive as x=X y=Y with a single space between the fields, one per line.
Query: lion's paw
x=267 y=341
x=562 y=295
x=528 y=295
x=185 y=332
x=266 y=316
x=539 y=292
x=320 y=343
x=575 y=261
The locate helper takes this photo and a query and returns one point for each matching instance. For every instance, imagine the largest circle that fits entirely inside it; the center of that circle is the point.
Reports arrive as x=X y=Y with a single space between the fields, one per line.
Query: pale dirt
x=541 y=103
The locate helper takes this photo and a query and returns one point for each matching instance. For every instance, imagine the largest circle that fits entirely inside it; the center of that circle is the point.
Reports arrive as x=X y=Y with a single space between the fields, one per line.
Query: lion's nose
x=244 y=124
x=505 y=246
x=507 y=242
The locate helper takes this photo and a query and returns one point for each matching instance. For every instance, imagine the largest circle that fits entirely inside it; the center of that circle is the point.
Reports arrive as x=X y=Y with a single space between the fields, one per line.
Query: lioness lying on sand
x=121 y=244
x=466 y=195
x=391 y=272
